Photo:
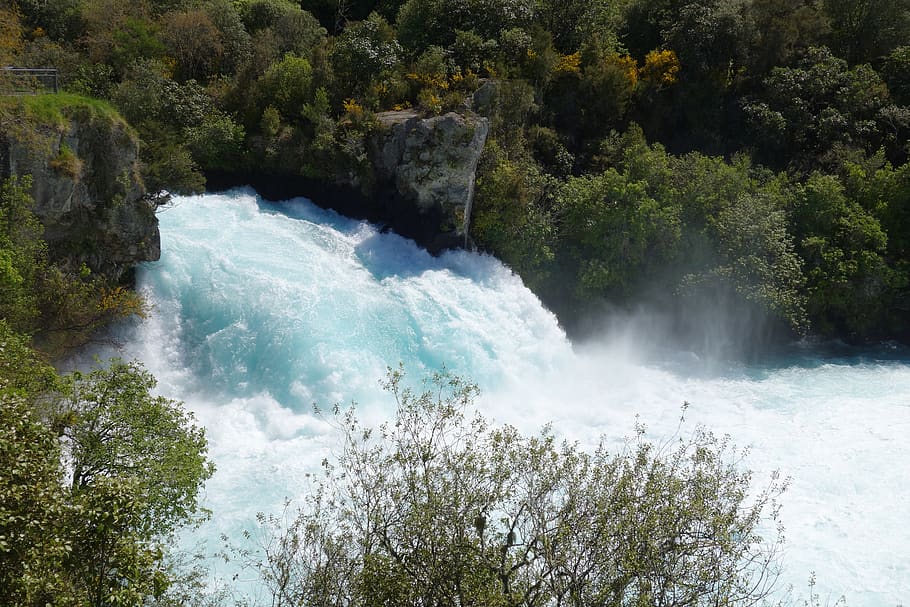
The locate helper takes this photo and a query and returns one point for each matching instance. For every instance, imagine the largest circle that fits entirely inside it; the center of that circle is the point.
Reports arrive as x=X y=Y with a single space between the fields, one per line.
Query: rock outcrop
x=87 y=189
x=425 y=170
x=413 y=174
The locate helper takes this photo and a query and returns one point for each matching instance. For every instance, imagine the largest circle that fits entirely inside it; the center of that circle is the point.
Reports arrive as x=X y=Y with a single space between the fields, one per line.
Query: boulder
x=430 y=164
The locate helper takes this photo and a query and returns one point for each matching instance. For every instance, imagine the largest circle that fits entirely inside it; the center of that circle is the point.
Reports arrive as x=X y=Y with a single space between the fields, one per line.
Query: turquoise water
x=261 y=311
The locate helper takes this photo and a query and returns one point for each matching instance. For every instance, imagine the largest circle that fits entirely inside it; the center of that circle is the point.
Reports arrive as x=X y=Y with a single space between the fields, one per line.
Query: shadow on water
x=387 y=255
x=384 y=253
x=303 y=209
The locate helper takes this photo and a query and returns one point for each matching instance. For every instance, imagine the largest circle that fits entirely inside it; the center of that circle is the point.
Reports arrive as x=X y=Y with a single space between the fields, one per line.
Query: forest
x=751 y=152
x=707 y=155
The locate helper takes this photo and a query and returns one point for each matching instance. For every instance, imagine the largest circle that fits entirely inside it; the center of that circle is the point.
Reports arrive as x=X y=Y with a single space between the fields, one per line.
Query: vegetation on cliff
x=57 y=303
x=690 y=143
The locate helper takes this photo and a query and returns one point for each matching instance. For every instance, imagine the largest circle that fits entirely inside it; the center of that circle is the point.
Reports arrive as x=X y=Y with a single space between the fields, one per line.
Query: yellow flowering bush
x=568 y=64
x=661 y=67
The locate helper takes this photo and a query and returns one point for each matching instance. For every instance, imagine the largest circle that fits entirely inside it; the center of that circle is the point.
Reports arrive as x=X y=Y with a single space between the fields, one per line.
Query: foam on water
x=261 y=311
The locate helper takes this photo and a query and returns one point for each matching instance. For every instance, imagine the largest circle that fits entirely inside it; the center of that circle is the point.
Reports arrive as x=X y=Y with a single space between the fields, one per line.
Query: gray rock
x=432 y=163
x=88 y=193
x=484 y=99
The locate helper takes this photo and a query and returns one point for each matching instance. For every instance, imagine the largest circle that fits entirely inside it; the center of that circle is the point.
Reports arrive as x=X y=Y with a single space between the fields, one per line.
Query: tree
x=423 y=23
x=439 y=507
x=712 y=38
x=510 y=216
x=23 y=371
x=849 y=280
x=195 y=43
x=30 y=503
x=23 y=254
x=234 y=37
x=11 y=42
x=865 y=30
x=615 y=234
x=119 y=34
x=575 y=22
x=363 y=52
x=297 y=31
x=288 y=85
x=161 y=109
x=818 y=106
x=217 y=142
x=116 y=429
x=782 y=28
x=59 y=19
x=896 y=72
x=136 y=462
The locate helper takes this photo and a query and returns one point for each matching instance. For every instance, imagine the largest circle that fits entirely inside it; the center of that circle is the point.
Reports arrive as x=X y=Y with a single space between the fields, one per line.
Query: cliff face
x=86 y=187
x=414 y=174
x=427 y=167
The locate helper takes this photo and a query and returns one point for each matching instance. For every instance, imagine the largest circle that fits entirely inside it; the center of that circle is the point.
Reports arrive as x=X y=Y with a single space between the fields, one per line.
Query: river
x=260 y=311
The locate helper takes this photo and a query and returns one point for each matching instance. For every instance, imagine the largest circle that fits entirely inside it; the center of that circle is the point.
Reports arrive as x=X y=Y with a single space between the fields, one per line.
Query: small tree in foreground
x=96 y=475
x=439 y=508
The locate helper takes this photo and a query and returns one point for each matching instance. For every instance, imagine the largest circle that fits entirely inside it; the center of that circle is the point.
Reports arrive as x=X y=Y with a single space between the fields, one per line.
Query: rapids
x=261 y=310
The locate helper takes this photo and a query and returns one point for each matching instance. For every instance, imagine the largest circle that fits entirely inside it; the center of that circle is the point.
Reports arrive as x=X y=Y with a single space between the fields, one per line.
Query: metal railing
x=28 y=81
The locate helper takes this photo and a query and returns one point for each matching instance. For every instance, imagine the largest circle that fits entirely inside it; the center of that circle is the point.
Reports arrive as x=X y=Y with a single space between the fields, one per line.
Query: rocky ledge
x=86 y=187
x=425 y=170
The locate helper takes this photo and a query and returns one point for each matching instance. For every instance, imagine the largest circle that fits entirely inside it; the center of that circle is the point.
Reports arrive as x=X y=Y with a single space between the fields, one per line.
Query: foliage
x=297 y=30
x=511 y=217
x=364 y=52
x=217 y=142
x=783 y=29
x=58 y=19
x=849 y=279
x=659 y=227
x=195 y=43
x=234 y=38
x=615 y=234
x=863 y=30
x=162 y=110
x=895 y=72
x=423 y=23
x=818 y=105
x=11 y=42
x=32 y=545
x=57 y=304
x=23 y=371
x=440 y=507
x=287 y=84
x=115 y=428
x=757 y=257
x=137 y=463
x=23 y=255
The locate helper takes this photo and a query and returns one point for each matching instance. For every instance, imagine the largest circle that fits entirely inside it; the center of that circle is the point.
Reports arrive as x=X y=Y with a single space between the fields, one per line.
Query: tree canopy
x=278 y=87
x=440 y=507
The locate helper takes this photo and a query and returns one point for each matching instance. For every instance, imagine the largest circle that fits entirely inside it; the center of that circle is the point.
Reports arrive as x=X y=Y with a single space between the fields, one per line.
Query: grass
x=55 y=109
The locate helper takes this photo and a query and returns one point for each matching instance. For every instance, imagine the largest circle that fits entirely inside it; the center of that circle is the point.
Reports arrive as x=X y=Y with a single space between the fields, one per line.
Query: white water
x=260 y=312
